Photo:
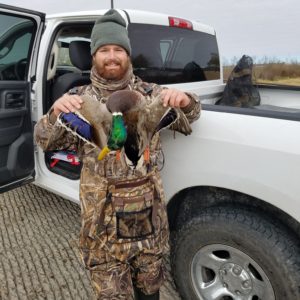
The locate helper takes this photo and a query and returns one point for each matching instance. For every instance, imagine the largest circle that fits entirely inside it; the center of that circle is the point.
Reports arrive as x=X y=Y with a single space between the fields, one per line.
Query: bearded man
x=122 y=265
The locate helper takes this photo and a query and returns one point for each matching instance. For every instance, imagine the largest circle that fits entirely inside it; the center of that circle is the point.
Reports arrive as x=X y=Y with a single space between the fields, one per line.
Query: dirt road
x=39 y=256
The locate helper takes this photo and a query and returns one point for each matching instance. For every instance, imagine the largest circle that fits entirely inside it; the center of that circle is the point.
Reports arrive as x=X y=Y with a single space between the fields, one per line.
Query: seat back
x=80 y=57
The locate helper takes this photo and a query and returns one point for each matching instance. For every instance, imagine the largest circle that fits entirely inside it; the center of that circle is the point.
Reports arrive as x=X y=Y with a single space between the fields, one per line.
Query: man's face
x=111 y=62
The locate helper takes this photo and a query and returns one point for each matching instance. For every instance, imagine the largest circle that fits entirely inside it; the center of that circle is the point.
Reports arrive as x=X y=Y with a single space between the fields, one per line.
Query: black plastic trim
x=30 y=178
x=23 y=10
x=252 y=112
x=127 y=15
x=278 y=87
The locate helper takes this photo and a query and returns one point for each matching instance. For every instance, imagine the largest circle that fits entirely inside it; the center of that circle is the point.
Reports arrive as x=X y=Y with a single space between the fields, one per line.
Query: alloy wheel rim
x=221 y=272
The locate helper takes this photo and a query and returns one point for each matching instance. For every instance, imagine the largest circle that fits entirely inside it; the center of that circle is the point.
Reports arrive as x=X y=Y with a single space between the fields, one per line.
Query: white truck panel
x=232 y=151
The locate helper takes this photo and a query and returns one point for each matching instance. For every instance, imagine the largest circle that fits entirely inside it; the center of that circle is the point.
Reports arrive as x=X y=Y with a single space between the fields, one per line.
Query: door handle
x=15 y=100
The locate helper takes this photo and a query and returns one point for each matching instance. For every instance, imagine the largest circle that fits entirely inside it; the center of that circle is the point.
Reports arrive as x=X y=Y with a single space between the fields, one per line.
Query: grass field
x=273 y=73
x=283 y=81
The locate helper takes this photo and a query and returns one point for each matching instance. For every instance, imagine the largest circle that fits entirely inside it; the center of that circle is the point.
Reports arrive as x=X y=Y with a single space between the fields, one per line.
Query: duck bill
x=103 y=153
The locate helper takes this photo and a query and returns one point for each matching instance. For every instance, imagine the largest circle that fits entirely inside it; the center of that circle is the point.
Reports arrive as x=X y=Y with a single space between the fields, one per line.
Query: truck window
x=63 y=54
x=16 y=37
x=168 y=55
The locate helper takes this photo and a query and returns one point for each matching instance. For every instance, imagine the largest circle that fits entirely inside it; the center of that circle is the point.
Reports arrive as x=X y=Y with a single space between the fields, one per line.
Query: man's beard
x=114 y=75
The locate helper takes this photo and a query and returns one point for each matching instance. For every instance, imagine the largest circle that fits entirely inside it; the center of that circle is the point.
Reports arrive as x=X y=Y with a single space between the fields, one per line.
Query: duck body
x=117 y=136
x=118 y=104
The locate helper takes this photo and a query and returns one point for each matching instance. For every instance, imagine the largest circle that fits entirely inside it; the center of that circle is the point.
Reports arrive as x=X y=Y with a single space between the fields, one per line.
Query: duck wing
x=157 y=116
x=153 y=118
x=98 y=116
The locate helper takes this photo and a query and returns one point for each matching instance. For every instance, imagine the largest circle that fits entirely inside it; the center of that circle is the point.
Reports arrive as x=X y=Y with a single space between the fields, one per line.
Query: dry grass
x=275 y=73
x=282 y=81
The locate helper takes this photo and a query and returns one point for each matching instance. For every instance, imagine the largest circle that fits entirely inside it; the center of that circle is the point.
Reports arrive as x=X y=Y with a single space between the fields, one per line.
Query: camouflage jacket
x=95 y=174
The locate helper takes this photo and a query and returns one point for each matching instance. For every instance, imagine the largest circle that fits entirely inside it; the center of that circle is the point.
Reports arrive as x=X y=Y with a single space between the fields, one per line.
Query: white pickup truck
x=232 y=187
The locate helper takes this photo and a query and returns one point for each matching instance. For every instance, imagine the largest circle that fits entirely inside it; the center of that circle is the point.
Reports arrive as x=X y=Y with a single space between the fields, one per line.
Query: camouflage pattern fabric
x=123 y=260
x=136 y=255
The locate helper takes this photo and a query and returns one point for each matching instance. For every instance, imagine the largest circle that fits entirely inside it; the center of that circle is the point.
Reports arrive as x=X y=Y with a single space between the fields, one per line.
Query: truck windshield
x=166 y=55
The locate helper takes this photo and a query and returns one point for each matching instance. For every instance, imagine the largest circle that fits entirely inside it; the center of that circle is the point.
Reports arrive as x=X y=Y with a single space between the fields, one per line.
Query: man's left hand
x=174 y=98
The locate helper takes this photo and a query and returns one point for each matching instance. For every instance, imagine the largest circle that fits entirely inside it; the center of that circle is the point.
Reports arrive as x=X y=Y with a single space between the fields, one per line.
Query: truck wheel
x=228 y=253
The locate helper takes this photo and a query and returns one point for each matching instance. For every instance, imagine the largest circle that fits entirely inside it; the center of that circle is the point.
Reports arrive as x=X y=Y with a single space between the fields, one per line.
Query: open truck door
x=20 y=35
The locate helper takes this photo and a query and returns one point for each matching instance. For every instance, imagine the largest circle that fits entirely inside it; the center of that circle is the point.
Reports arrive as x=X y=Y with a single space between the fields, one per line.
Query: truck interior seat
x=81 y=58
x=53 y=61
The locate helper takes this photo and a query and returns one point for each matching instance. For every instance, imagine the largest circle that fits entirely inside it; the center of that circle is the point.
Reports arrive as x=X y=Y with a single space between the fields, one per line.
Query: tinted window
x=165 y=54
x=16 y=37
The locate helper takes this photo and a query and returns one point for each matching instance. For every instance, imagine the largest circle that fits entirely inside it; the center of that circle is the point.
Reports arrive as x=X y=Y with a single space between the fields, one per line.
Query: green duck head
x=117 y=136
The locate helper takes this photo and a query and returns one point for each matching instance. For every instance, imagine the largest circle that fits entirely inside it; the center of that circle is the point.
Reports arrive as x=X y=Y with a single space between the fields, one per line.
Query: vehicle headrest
x=80 y=55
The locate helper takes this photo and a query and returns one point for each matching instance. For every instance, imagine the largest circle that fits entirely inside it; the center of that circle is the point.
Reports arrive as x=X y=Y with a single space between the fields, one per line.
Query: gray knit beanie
x=110 y=29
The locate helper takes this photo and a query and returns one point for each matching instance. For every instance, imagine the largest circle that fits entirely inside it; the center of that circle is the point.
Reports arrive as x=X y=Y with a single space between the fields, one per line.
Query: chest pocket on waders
x=134 y=206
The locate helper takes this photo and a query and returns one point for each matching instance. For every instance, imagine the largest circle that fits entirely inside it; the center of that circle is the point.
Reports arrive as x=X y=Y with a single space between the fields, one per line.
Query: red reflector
x=182 y=23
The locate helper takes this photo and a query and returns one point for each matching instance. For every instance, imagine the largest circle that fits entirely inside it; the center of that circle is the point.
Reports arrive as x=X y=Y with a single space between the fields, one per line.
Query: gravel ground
x=39 y=256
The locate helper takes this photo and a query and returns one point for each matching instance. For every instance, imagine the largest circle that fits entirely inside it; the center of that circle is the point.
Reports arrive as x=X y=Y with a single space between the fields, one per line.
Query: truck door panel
x=20 y=32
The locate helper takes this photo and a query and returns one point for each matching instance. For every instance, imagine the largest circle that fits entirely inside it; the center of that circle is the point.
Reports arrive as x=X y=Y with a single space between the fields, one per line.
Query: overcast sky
x=255 y=27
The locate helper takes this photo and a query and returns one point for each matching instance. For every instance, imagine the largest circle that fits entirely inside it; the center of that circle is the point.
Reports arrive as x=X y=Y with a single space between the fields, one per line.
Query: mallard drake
x=119 y=103
x=141 y=120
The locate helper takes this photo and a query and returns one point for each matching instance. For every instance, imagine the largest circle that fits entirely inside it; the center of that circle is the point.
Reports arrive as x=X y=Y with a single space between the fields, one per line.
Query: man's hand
x=67 y=103
x=175 y=98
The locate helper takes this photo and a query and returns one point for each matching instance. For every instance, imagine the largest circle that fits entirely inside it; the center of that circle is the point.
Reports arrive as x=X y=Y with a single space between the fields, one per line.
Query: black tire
x=227 y=239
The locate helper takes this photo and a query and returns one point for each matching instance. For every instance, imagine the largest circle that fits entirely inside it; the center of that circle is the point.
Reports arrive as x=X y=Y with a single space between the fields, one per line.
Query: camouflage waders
x=124 y=242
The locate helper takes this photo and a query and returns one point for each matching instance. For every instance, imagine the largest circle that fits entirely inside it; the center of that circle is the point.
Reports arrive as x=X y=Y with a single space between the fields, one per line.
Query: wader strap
x=134 y=183
x=155 y=208
x=98 y=217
